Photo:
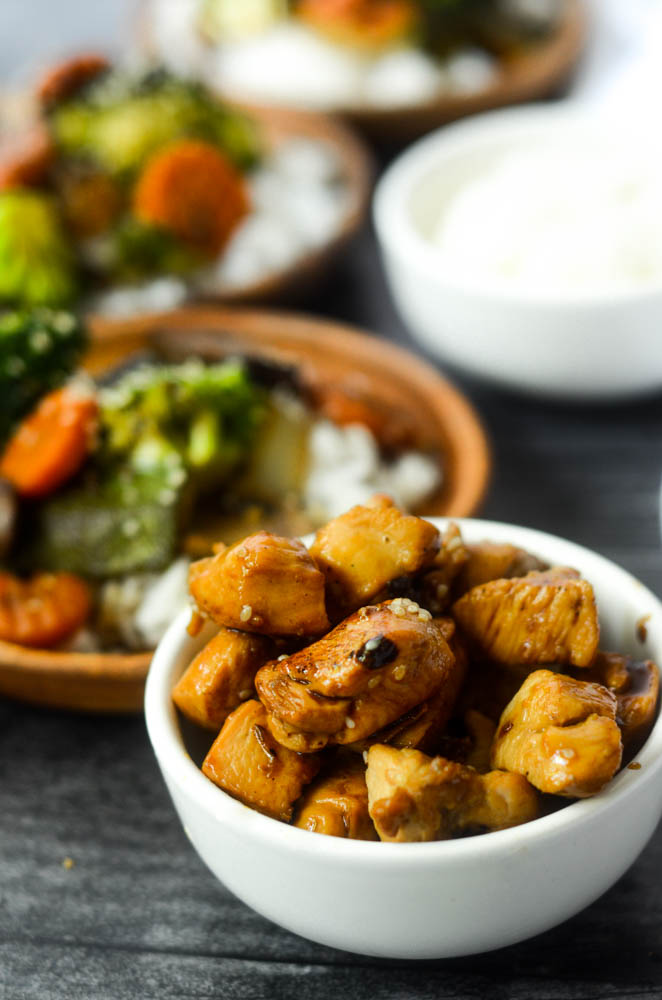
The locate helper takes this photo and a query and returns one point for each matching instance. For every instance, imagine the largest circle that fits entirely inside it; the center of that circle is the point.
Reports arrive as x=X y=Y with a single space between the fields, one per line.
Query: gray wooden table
x=137 y=915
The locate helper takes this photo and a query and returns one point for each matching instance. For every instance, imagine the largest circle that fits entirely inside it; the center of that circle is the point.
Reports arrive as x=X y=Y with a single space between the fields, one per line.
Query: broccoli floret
x=120 y=121
x=37 y=265
x=140 y=250
x=207 y=414
x=39 y=349
x=118 y=521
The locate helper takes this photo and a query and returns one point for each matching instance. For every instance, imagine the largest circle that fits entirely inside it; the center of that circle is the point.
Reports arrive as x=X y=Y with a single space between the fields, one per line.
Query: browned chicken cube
x=364 y=549
x=337 y=803
x=265 y=584
x=247 y=762
x=487 y=561
x=636 y=686
x=220 y=677
x=422 y=727
x=413 y=797
x=540 y=618
x=371 y=669
x=561 y=734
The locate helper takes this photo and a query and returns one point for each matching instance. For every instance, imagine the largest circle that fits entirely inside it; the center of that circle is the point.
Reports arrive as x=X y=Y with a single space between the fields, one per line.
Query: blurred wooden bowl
x=445 y=422
x=539 y=69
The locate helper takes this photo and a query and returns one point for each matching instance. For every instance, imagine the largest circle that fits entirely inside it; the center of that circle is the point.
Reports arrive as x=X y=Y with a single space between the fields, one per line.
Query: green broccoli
x=140 y=250
x=208 y=415
x=37 y=265
x=119 y=121
x=117 y=521
x=39 y=349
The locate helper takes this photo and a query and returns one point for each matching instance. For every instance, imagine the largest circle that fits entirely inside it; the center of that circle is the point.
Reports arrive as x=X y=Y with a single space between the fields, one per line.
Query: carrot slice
x=194 y=191
x=51 y=444
x=44 y=610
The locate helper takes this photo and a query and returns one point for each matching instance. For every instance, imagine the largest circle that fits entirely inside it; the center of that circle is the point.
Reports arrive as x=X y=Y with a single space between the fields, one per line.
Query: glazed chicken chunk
x=360 y=552
x=561 y=734
x=246 y=761
x=337 y=803
x=636 y=686
x=413 y=797
x=221 y=676
x=487 y=561
x=548 y=617
x=265 y=584
x=422 y=726
x=370 y=670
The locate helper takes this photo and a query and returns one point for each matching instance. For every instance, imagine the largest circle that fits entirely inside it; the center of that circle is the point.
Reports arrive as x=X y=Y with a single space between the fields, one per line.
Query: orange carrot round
x=43 y=611
x=51 y=444
x=193 y=190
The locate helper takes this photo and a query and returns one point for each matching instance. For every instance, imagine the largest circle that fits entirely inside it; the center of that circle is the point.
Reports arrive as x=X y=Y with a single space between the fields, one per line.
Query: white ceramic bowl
x=569 y=346
x=432 y=900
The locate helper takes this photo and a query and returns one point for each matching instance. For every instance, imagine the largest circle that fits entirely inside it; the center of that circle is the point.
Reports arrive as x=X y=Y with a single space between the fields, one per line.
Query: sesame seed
x=424 y=615
x=245 y=694
x=349 y=722
x=399 y=673
x=365 y=756
x=245 y=613
x=398 y=610
x=413 y=607
x=373 y=682
x=283 y=656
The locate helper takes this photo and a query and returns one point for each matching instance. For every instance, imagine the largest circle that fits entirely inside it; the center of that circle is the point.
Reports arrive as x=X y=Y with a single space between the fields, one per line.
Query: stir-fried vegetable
x=39 y=349
x=120 y=121
x=117 y=522
x=36 y=261
x=207 y=415
x=51 y=444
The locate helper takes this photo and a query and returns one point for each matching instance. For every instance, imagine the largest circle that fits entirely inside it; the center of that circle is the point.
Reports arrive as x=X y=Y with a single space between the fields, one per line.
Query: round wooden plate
x=443 y=418
x=538 y=70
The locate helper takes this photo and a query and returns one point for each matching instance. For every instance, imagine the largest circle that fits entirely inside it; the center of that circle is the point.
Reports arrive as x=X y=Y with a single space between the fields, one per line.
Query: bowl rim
x=178 y=768
x=397 y=232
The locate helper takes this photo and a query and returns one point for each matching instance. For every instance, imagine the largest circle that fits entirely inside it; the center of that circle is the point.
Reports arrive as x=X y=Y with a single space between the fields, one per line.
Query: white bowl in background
x=430 y=900
x=574 y=345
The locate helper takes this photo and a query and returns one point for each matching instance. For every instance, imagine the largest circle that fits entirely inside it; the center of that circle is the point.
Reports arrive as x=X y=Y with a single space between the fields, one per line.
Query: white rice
x=347 y=468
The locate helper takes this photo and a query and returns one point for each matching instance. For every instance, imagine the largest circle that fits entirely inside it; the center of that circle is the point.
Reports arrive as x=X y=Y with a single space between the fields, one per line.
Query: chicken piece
x=481 y=730
x=367 y=672
x=220 y=677
x=561 y=734
x=337 y=803
x=487 y=561
x=422 y=726
x=540 y=618
x=361 y=551
x=247 y=762
x=413 y=797
x=636 y=686
x=265 y=584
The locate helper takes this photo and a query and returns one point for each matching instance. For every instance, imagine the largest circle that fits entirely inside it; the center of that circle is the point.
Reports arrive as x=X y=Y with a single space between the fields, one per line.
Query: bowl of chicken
x=412 y=738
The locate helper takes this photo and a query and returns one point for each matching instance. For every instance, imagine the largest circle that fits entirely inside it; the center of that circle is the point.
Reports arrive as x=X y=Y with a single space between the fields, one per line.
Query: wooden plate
x=536 y=71
x=443 y=417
